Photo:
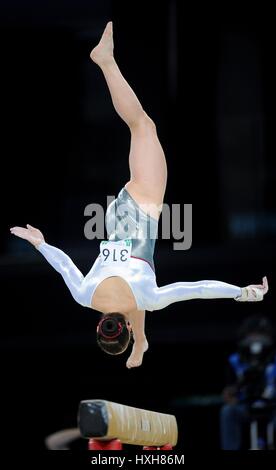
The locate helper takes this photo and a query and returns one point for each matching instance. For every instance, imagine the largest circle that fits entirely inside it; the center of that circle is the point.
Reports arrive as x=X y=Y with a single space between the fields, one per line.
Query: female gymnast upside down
x=127 y=283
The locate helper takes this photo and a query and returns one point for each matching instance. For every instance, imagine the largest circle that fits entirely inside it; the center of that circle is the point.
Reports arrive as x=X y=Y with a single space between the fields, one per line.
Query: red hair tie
x=114 y=335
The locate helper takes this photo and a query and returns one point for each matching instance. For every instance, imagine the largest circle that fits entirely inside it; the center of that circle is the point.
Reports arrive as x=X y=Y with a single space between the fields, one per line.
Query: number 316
x=122 y=255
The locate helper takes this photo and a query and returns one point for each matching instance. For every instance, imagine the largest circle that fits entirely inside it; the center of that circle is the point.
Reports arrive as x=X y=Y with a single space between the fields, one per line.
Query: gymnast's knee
x=143 y=124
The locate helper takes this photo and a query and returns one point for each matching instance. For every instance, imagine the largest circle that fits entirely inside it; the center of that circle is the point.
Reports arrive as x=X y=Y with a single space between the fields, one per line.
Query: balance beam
x=104 y=420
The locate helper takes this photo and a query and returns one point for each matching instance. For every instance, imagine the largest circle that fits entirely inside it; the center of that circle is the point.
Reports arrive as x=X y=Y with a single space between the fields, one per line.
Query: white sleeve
x=161 y=297
x=64 y=265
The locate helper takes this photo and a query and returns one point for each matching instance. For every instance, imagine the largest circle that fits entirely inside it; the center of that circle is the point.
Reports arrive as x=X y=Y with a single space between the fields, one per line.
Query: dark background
x=207 y=78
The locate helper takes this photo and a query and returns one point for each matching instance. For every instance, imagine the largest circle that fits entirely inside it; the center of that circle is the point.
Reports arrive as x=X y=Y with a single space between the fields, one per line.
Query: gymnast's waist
x=125 y=219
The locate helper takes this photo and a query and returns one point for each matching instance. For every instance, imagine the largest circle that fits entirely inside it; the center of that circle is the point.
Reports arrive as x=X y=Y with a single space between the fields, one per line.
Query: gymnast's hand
x=31 y=234
x=254 y=292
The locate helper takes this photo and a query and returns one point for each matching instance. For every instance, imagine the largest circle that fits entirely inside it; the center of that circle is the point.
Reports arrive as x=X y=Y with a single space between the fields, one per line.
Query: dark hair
x=255 y=324
x=113 y=335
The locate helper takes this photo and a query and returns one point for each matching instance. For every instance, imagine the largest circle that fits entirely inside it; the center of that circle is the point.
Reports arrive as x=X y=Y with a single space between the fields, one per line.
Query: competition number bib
x=117 y=253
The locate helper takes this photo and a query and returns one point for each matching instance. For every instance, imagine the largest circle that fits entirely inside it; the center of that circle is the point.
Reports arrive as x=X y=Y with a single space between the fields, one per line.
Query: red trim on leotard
x=142 y=259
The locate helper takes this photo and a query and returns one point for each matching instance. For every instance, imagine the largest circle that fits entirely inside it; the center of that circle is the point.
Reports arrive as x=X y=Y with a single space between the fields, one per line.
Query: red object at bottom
x=113 y=444
x=165 y=447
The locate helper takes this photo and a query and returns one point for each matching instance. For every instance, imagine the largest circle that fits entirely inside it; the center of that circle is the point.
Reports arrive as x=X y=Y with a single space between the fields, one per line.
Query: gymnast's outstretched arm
x=58 y=259
x=161 y=297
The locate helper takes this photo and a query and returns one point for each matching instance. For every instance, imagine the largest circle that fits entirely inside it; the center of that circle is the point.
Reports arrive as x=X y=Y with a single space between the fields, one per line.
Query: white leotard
x=139 y=276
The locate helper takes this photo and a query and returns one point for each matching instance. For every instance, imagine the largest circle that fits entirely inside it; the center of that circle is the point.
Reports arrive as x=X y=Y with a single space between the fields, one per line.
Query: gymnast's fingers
x=19 y=232
x=265 y=285
x=31 y=227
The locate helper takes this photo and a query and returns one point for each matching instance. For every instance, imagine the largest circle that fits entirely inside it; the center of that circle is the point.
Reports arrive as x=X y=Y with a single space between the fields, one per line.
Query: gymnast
x=122 y=284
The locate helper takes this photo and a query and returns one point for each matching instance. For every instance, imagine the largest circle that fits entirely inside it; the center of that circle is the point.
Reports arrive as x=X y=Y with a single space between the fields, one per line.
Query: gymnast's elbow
x=155 y=300
x=205 y=291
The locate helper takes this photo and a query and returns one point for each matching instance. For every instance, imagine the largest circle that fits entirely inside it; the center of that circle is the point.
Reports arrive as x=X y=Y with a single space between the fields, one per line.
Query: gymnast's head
x=113 y=333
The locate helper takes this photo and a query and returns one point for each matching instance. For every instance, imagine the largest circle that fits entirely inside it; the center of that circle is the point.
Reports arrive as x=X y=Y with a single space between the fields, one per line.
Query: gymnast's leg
x=140 y=346
x=148 y=170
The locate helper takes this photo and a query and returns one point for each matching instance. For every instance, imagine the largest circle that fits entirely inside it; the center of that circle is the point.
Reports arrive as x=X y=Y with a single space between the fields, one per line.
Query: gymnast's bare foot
x=136 y=357
x=103 y=52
